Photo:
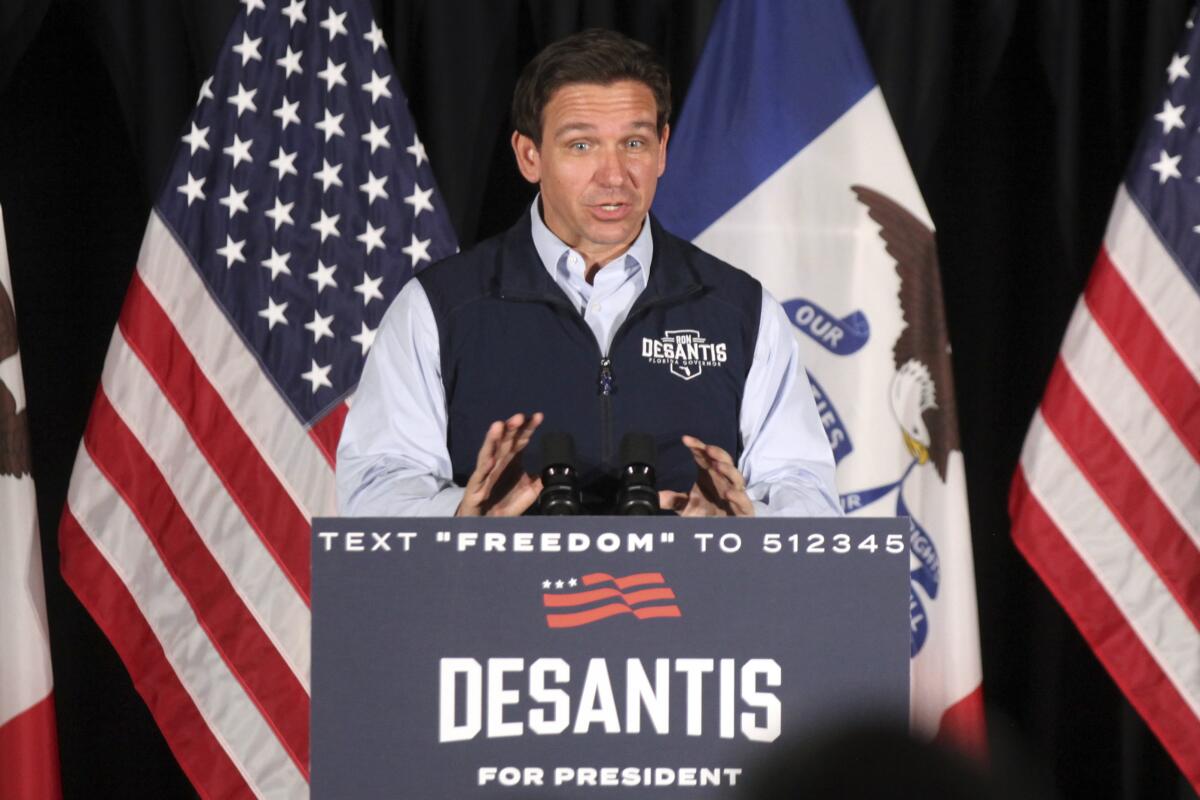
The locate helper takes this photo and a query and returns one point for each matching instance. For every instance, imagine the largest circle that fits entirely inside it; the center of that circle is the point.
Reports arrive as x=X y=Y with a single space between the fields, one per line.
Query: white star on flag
x=331 y=126
x=369 y=288
x=248 y=49
x=197 y=139
x=239 y=150
x=377 y=136
x=194 y=188
x=375 y=37
x=419 y=200
x=320 y=326
x=377 y=86
x=332 y=74
x=372 y=237
x=244 y=99
x=374 y=187
x=327 y=225
x=287 y=112
x=232 y=251
x=295 y=13
x=323 y=275
x=1171 y=116
x=277 y=263
x=284 y=163
x=1167 y=167
x=290 y=61
x=417 y=250
x=235 y=201
x=273 y=313
x=281 y=214
x=318 y=376
x=335 y=24
x=328 y=175
x=418 y=150
x=1178 y=67
x=365 y=339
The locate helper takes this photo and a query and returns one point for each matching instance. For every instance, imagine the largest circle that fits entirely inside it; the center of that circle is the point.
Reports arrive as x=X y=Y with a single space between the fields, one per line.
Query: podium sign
x=557 y=657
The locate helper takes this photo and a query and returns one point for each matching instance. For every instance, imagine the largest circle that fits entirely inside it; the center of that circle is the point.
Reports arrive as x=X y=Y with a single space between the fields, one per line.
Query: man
x=585 y=317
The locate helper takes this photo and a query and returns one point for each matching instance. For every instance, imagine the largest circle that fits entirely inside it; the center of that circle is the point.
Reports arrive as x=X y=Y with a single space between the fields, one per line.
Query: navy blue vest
x=512 y=342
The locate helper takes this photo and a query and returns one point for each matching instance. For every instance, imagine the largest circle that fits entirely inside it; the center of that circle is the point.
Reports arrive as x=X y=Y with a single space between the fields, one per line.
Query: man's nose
x=610 y=172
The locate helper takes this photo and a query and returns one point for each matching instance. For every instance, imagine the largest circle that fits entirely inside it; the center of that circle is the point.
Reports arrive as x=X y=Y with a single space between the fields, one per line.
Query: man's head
x=590 y=113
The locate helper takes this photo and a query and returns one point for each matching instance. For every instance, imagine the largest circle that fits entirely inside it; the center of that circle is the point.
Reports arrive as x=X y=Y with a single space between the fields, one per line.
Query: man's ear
x=662 y=149
x=529 y=160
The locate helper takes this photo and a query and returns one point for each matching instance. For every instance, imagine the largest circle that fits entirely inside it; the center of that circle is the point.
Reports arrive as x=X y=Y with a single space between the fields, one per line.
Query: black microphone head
x=638 y=448
x=558 y=448
x=560 y=487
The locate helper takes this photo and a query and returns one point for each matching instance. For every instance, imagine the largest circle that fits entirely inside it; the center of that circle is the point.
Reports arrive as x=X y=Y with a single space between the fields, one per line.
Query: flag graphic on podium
x=28 y=737
x=299 y=202
x=1105 y=503
x=785 y=163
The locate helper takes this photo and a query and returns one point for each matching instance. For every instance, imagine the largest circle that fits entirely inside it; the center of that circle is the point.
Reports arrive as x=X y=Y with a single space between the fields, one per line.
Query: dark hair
x=594 y=56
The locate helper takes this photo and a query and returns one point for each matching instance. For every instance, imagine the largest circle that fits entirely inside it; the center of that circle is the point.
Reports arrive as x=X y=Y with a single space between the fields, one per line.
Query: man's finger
x=739 y=502
x=525 y=433
x=487 y=449
x=731 y=475
x=672 y=501
x=518 y=499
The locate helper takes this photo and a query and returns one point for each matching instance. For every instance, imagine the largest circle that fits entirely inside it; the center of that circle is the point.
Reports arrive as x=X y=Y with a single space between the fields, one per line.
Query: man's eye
x=579 y=147
x=635 y=144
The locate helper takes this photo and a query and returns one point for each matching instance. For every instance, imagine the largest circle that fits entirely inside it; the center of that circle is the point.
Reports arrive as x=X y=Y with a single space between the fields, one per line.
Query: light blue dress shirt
x=392 y=459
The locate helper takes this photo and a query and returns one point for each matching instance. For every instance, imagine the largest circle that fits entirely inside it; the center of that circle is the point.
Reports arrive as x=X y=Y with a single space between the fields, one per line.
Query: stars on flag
x=291 y=162
x=569 y=583
x=1169 y=153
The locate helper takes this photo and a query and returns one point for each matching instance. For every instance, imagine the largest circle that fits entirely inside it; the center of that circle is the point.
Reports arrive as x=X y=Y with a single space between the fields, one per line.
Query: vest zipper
x=606 y=386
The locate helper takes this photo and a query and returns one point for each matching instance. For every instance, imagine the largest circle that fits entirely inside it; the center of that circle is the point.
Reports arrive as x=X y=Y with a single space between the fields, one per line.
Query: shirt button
x=598 y=306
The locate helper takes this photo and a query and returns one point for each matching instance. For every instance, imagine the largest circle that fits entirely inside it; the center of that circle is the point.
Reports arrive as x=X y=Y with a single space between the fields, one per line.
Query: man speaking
x=587 y=318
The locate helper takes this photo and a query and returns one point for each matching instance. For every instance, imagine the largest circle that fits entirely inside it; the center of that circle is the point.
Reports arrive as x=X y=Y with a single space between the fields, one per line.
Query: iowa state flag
x=786 y=164
x=28 y=739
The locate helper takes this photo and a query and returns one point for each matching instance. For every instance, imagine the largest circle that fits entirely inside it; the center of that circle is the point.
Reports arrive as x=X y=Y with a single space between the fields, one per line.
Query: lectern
x=560 y=657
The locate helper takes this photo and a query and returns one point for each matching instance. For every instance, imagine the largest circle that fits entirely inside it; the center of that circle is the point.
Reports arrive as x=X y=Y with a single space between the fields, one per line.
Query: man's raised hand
x=499 y=486
x=719 y=491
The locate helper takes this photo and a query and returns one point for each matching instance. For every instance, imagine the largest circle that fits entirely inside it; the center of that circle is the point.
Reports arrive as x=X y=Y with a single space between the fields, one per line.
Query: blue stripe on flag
x=765 y=88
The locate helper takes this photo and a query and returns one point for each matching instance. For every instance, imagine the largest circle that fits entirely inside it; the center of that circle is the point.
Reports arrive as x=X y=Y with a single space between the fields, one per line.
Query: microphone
x=560 y=484
x=637 y=495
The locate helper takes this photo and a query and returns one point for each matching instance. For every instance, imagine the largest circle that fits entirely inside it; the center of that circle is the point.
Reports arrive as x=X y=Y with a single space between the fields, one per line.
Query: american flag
x=299 y=202
x=1105 y=503
x=598 y=596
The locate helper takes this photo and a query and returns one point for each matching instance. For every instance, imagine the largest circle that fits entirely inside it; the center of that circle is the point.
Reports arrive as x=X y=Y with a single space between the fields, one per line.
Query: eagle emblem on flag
x=14 y=435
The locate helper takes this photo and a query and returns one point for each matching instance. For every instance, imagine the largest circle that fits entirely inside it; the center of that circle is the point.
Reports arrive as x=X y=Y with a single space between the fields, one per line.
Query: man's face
x=598 y=164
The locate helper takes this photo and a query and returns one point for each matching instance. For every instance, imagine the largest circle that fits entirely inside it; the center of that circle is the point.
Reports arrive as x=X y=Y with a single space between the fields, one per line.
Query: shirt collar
x=553 y=250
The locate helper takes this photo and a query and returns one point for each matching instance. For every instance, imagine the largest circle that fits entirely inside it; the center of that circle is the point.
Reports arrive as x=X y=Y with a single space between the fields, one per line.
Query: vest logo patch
x=686 y=352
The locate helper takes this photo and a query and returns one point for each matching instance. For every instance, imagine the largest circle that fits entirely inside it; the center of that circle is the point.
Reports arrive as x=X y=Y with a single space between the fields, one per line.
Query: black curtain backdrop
x=1018 y=117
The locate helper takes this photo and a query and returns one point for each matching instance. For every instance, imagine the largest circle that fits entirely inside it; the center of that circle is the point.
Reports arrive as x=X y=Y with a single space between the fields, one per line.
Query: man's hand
x=719 y=491
x=499 y=487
